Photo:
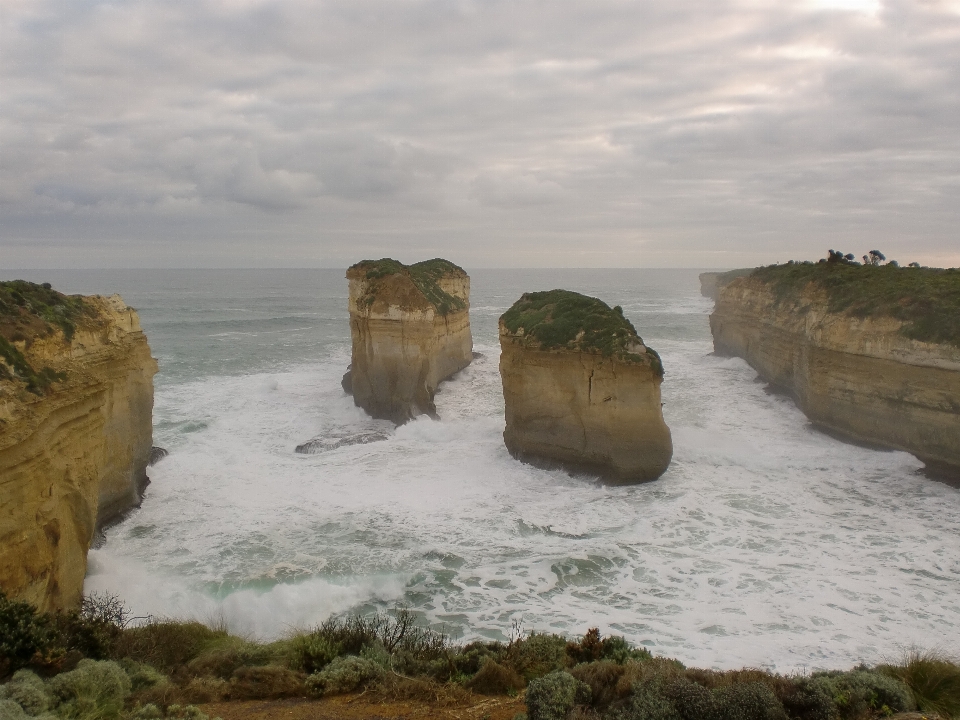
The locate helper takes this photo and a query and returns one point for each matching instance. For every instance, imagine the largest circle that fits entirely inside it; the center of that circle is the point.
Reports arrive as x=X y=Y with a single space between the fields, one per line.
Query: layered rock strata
x=76 y=403
x=580 y=388
x=712 y=282
x=410 y=327
x=857 y=375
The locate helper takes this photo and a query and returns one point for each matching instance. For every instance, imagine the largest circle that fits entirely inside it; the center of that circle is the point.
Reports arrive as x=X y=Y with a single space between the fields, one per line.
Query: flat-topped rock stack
x=581 y=390
x=76 y=405
x=410 y=327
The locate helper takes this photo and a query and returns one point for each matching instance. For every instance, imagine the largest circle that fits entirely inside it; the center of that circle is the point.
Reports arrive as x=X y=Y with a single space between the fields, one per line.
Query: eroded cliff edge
x=871 y=353
x=581 y=389
x=76 y=405
x=410 y=328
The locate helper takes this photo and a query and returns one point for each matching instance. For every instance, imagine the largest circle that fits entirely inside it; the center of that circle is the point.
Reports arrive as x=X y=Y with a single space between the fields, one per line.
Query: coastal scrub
x=563 y=319
x=426 y=275
x=391 y=656
x=926 y=300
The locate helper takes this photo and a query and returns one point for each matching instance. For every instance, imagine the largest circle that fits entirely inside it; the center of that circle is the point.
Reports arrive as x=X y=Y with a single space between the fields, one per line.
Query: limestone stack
x=410 y=327
x=830 y=337
x=76 y=403
x=580 y=388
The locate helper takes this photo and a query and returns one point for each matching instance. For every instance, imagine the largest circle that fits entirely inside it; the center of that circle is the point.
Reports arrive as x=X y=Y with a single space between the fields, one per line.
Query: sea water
x=766 y=543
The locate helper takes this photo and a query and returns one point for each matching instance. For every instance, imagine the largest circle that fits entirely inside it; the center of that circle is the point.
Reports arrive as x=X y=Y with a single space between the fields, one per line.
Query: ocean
x=767 y=543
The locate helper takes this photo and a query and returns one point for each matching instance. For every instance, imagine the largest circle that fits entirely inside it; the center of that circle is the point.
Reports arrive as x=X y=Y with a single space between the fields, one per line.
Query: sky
x=495 y=133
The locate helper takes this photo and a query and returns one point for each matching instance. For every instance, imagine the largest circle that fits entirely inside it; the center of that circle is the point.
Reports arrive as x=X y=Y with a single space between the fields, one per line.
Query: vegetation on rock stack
x=556 y=319
x=425 y=275
x=29 y=311
x=926 y=300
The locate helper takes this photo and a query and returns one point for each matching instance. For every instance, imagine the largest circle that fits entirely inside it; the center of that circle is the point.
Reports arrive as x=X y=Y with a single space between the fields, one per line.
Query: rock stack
x=581 y=390
x=410 y=327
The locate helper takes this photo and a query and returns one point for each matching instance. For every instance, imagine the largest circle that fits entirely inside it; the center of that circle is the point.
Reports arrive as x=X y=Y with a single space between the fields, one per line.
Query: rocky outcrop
x=712 y=282
x=410 y=327
x=855 y=374
x=76 y=402
x=580 y=388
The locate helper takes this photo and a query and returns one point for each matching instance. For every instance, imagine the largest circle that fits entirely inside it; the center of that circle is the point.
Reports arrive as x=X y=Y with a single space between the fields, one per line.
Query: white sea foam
x=766 y=543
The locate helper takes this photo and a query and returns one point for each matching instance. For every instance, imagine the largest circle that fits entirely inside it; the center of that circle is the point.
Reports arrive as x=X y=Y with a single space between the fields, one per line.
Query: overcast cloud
x=496 y=133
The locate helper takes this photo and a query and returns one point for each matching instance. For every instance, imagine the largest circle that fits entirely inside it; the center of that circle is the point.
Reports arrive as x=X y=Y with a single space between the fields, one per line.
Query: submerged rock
x=410 y=327
x=332 y=442
x=76 y=404
x=581 y=389
x=156 y=455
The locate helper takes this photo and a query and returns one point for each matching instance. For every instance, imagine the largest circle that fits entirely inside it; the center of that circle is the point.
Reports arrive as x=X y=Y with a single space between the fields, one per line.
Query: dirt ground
x=358 y=707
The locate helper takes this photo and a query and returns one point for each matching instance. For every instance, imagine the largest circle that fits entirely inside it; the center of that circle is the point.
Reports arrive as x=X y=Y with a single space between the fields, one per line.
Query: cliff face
x=858 y=376
x=410 y=328
x=72 y=455
x=589 y=402
x=712 y=282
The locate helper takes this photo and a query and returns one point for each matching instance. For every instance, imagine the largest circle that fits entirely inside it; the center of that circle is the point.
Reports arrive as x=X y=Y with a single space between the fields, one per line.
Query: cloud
x=540 y=133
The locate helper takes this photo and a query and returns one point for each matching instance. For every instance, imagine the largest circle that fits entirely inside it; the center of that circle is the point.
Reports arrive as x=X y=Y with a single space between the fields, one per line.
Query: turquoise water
x=766 y=543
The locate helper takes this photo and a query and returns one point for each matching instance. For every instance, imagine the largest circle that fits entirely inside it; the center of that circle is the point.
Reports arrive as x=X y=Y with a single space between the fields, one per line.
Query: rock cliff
x=410 y=327
x=581 y=389
x=861 y=350
x=76 y=403
x=712 y=282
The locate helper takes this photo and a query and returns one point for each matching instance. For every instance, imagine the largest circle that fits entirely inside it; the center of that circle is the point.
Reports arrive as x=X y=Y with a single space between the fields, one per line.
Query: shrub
x=25 y=636
x=95 y=629
x=147 y=712
x=472 y=656
x=267 y=682
x=28 y=691
x=858 y=692
x=95 y=690
x=313 y=652
x=933 y=679
x=538 y=655
x=602 y=677
x=166 y=644
x=495 y=679
x=747 y=701
x=142 y=676
x=807 y=700
x=554 y=695
x=9 y=710
x=221 y=658
x=197 y=690
x=646 y=702
x=616 y=648
x=343 y=675
x=692 y=701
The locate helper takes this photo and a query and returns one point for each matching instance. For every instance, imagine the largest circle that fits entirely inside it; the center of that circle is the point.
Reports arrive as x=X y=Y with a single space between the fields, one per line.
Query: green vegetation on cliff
x=565 y=319
x=425 y=275
x=29 y=311
x=99 y=668
x=927 y=300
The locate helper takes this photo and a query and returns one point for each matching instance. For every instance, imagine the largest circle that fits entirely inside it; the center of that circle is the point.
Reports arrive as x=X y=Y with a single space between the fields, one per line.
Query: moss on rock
x=556 y=319
x=425 y=275
x=29 y=311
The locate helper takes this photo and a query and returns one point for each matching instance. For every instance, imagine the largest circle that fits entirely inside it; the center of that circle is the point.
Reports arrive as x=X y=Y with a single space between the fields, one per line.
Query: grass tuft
x=933 y=679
